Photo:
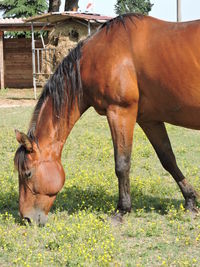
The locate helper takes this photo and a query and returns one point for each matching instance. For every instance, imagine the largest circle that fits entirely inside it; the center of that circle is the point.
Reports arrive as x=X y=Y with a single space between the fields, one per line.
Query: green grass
x=79 y=231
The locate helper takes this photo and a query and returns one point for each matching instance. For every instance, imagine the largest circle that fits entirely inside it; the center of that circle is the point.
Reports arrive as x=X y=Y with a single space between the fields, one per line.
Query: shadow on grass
x=74 y=199
x=9 y=205
x=20 y=98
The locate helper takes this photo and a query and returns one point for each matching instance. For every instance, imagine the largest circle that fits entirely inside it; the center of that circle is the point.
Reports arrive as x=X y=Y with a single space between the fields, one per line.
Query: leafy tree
x=70 y=5
x=135 y=6
x=22 y=9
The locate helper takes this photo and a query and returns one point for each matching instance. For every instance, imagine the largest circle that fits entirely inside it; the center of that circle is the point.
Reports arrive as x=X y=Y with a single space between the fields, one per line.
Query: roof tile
x=11 y=21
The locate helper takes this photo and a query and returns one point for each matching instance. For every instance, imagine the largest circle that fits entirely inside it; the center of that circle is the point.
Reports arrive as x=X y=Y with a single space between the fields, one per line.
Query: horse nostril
x=42 y=220
x=27 y=219
x=36 y=216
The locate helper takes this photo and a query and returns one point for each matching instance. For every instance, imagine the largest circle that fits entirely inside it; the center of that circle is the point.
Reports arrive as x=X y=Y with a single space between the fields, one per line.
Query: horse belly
x=181 y=109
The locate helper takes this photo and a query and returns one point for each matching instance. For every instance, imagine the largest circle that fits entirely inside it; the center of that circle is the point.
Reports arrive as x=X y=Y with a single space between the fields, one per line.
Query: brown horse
x=134 y=69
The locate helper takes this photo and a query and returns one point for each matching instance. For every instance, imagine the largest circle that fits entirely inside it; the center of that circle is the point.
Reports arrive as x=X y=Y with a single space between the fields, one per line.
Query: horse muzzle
x=37 y=216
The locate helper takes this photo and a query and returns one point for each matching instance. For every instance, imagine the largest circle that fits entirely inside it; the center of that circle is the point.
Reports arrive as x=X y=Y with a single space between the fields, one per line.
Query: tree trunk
x=54 y=5
x=71 y=5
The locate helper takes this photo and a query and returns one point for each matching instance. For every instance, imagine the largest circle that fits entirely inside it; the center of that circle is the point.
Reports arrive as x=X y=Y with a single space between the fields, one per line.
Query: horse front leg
x=122 y=121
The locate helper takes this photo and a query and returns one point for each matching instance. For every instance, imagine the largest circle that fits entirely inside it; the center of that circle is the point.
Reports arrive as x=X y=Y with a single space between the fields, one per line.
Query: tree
x=54 y=5
x=22 y=8
x=71 y=5
x=135 y=6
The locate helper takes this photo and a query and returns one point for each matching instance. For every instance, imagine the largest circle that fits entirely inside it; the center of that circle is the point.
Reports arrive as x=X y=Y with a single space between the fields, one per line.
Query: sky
x=162 y=9
x=166 y=9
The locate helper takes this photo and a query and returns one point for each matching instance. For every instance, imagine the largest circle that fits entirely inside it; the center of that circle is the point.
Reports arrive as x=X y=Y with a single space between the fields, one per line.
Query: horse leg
x=122 y=121
x=157 y=135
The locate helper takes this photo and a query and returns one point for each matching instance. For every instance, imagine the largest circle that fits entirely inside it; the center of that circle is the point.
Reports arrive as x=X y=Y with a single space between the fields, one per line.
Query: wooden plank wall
x=2 y=85
x=18 y=62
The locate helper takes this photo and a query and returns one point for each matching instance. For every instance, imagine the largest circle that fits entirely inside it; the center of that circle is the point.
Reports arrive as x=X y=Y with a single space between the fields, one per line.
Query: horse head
x=39 y=180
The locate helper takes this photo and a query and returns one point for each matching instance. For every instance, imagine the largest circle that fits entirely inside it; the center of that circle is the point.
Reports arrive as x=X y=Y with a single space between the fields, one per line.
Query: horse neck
x=52 y=130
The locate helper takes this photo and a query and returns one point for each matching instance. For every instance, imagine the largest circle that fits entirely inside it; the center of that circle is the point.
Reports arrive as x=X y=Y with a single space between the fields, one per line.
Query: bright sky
x=166 y=9
x=163 y=9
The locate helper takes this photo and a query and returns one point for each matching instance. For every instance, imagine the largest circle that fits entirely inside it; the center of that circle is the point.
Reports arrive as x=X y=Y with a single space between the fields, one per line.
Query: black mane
x=121 y=20
x=64 y=86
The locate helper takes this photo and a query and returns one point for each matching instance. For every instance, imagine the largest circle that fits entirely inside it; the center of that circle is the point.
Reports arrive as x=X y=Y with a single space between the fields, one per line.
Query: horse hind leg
x=157 y=135
x=122 y=121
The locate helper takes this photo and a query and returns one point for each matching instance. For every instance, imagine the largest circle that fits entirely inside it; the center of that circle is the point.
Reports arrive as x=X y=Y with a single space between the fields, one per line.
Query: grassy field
x=79 y=231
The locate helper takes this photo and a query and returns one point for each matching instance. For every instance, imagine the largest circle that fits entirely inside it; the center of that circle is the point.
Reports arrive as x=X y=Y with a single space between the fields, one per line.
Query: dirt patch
x=18 y=98
x=7 y=103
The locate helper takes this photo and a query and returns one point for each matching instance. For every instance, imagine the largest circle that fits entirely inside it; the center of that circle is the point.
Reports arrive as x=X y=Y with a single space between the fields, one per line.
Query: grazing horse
x=133 y=69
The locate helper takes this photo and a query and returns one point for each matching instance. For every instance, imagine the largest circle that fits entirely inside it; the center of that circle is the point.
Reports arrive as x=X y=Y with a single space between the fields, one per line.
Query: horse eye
x=28 y=174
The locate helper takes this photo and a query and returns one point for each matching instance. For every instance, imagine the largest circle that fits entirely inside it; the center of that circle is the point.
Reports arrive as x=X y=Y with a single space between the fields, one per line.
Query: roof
x=12 y=24
x=11 y=20
x=17 y=24
x=55 y=17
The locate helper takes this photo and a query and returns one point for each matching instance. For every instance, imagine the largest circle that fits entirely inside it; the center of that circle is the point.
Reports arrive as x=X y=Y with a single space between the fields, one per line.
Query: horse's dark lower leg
x=157 y=135
x=121 y=121
x=122 y=167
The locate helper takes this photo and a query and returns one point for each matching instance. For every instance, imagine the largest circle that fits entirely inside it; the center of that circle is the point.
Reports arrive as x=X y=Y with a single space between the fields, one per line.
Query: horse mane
x=121 y=19
x=64 y=88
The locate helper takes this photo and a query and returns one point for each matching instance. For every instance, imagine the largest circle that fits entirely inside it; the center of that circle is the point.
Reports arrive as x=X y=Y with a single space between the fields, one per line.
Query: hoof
x=193 y=213
x=117 y=218
x=193 y=209
x=190 y=205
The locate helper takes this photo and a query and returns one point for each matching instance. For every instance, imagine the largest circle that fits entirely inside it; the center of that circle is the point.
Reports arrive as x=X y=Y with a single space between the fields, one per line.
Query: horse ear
x=24 y=140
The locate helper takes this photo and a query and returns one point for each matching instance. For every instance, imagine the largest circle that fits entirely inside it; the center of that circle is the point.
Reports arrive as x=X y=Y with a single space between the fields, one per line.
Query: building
x=28 y=63
x=16 y=55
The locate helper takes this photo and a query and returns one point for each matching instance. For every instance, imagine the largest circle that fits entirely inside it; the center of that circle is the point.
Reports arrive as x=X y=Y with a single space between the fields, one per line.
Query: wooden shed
x=28 y=62
x=16 y=54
